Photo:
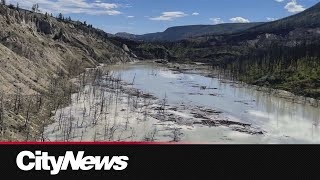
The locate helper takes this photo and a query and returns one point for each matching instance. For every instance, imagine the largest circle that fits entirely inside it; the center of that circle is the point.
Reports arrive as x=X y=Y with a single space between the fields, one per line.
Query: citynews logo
x=42 y=161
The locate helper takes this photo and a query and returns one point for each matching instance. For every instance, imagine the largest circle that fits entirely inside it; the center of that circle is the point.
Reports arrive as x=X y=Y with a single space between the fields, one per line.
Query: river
x=280 y=120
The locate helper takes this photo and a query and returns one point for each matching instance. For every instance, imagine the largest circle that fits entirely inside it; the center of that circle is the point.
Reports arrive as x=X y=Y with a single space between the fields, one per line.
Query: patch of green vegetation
x=303 y=79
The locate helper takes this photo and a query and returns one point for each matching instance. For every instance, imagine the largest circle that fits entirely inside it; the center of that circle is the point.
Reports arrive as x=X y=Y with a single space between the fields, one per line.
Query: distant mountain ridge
x=126 y=35
x=282 y=54
x=307 y=19
x=184 y=32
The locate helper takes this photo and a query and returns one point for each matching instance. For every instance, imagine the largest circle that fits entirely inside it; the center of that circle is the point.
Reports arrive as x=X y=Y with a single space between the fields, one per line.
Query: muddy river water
x=286 y=121
x=280 y=120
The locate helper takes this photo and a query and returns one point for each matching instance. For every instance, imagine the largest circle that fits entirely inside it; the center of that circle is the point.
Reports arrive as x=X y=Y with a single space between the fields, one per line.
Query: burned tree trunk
x=1 y=114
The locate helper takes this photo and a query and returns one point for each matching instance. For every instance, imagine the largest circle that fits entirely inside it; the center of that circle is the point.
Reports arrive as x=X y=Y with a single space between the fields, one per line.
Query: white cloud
x=130 y=16
x=106 y=5
x=105 y=12
x=294 y=7
x=239 y=20
x=271 y=19
x=195 y=14
x=169 y=16
x=279 y=0
x=72 y=6
x=216 y=20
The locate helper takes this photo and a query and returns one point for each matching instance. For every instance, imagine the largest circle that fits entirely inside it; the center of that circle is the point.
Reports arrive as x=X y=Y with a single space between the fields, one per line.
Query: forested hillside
x=283 y=54
x=184 y=32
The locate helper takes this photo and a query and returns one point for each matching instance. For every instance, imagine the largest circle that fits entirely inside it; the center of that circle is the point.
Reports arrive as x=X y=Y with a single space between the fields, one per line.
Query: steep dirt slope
x=39 y=55
x=33 y=46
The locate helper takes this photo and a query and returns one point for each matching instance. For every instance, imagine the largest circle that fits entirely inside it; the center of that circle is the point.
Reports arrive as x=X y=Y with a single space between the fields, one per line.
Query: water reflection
x=280 y=118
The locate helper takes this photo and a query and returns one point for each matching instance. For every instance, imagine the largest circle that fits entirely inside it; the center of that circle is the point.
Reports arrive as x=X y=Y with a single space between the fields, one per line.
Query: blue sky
x=145 y=16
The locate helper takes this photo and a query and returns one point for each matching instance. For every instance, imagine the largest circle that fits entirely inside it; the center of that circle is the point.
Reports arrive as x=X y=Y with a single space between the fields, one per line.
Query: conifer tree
x=3 y=2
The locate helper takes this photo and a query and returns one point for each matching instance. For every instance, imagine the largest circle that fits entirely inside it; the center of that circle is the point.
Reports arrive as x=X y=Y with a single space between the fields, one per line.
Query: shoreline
x=289 y=96
x=129 y=108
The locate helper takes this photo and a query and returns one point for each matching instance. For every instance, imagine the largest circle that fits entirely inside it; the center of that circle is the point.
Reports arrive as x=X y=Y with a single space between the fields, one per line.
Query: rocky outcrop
x=45 y=27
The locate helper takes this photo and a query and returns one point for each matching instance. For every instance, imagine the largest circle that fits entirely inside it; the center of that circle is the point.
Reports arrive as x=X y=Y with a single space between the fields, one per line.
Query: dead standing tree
x=17 y=101
x=35 y=8
x=1 y=114
x=28 y=113
x=176 y=134
x=163 y=105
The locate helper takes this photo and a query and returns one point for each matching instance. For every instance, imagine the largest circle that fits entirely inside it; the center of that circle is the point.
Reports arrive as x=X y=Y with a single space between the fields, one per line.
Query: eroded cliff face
x=39 y=55
x=34 y=47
